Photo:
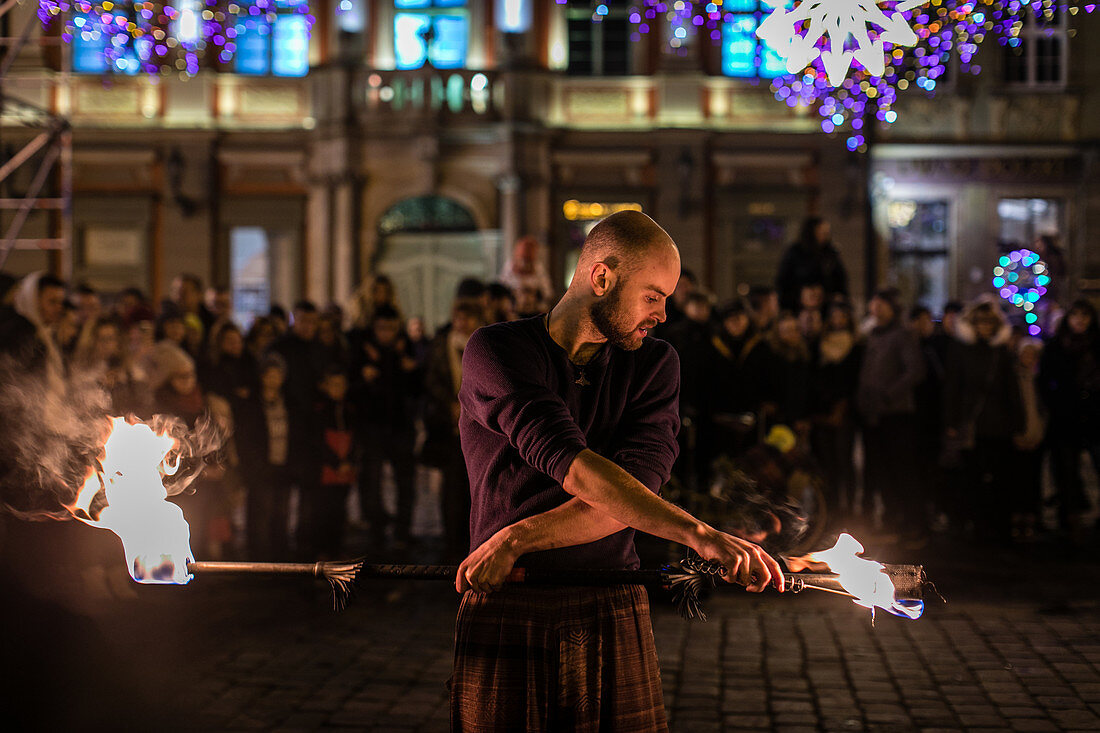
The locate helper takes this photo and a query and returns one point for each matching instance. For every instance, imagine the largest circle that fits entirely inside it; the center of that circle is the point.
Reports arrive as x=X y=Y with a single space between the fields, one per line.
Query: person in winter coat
x=441 y=412
x=1028 y=445
x=885 y=398
x=1069 y=380
x=262 y=439
x=386 y=384
x=811 y=260
x=982 y=413
x=836 y=377
x=737 y=381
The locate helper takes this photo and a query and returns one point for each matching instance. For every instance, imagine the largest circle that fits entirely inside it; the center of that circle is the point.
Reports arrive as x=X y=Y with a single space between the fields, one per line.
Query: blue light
x=838 y=119
x=601 y=9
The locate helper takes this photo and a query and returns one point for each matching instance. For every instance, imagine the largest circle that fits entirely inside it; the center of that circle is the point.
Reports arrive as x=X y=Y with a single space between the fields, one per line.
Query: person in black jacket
x=834 y=389
x=386 y=383
x=324 y=506
x=982 y=413
x=262 y=438
x=1069 y=381
x=736 y=377
x=811 y=260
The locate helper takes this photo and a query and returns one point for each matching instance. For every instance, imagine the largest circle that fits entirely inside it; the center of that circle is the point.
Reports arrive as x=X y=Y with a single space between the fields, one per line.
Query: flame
x=865 y=579
x=155 y=537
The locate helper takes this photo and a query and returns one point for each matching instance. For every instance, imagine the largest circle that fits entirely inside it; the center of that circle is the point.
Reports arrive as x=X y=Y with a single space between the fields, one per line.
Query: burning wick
x=155 y=536
x=866 y=580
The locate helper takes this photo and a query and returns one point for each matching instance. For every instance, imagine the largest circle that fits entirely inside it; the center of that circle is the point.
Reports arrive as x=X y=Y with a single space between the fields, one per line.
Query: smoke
x=52 y=433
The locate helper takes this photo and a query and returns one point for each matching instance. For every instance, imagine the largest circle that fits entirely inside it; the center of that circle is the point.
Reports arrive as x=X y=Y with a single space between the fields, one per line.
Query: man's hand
x=487 y=567
x=746 y=563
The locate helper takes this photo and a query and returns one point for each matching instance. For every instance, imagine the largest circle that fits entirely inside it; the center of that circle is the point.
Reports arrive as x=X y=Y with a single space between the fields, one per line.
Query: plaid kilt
x=556 y=659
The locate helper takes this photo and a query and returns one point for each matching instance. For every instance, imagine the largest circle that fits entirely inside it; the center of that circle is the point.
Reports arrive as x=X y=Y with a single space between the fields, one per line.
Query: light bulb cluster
x=1021 y=279
x=165 y=38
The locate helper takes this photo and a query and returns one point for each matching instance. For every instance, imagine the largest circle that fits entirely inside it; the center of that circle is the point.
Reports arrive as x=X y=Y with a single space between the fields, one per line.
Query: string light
x=162 y=38
x=1021 y=279
x=945 y=31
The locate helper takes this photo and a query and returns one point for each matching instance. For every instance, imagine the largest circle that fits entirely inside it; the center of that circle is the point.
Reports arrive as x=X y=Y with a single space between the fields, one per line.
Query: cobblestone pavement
x=1017 y=648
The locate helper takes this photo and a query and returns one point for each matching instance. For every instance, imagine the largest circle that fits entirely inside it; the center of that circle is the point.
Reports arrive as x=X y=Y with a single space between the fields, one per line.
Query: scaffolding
x=37 y=168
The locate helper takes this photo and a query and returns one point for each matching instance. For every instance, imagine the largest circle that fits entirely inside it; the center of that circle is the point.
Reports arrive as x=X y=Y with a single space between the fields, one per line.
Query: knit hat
x=169 y=360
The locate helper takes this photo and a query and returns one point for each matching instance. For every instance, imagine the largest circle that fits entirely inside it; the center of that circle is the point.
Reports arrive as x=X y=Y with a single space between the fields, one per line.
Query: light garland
x=1020 y=278
x=943 y=28
x=166 y=38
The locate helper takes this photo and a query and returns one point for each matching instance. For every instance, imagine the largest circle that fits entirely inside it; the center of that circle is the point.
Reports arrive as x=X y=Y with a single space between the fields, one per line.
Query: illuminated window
x=430 y=31
x=279 y=47
x=98 y=52
x=514 y=16
x=743 y=54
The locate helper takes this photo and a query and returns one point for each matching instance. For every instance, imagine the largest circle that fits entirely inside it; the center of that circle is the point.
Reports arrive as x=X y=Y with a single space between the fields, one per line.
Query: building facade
x=421 y=137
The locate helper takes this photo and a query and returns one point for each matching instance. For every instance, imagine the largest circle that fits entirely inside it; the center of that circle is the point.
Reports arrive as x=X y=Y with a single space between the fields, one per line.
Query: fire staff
x=568 y=426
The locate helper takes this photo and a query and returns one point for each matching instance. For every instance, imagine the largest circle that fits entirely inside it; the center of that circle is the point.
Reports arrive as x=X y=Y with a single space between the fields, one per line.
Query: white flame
x=155 y=537
x=865 y=579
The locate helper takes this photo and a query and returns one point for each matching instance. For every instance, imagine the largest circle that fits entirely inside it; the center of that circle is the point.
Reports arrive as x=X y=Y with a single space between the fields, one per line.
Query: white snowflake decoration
x=838 y=19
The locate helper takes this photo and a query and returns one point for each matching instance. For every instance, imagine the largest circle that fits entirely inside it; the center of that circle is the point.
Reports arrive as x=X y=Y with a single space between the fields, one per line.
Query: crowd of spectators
x=890 y=416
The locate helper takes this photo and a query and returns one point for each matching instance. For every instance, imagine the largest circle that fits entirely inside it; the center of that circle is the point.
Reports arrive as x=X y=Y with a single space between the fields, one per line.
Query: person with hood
x=811 y=260
x=37 y=305
x=982 y=413
x=1069 y=381
x=886 y=401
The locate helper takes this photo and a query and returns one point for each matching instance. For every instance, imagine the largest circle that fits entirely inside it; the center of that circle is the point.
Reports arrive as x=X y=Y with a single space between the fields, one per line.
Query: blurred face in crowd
x=1079 y=321
x=51 y=301
x=219 y=303
x=635 y=302
x=108 y=342
x=141 y=337
x=415 y=328
x=684 y=288
x=697 y=310
x=186 y=294
x=232 y=343
x=525 y=254
x=464 y=324
x=328 y=333
x=183 y=382
x=768 y=309
x=881 y=310
x=262 y=335
x=305 y=324
x=839 y=319
x=736 y=325
x=271 y=379
x=504 y=309
x=788 y=331
x=127 y=303
x=381 y=292
x=66 y=329
x=924 y=325
x=1028 y=356
x=386 y=331
x=812 y=296
x=986 y=325
x=809 y=323
x=822 y=232
x=950 y=322
x=335 y=387
x=175 y=330
x=88 y=307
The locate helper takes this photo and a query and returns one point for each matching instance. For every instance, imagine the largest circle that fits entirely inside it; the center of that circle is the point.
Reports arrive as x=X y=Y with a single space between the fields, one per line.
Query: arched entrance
x=427 y=245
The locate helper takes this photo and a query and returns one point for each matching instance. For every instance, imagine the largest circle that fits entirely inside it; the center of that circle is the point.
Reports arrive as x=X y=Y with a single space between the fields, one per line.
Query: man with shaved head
x=568 y=426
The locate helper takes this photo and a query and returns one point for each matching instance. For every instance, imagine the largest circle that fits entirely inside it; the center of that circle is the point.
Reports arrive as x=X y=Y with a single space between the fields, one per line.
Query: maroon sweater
x=524 y=420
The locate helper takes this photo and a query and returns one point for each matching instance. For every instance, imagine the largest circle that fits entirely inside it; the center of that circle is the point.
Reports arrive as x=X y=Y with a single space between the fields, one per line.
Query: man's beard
x=609 y=320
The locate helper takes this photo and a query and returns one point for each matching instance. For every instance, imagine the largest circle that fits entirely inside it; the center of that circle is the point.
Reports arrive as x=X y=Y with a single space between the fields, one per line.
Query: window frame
x=431 y=11
x=1034 y=30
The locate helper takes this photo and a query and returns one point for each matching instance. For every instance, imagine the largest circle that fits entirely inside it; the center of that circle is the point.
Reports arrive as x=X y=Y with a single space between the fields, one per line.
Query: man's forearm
x=611 y=491
x=572 y=523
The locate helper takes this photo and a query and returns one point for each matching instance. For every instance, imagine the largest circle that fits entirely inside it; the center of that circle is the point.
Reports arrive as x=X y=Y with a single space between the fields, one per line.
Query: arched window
x=426 y=214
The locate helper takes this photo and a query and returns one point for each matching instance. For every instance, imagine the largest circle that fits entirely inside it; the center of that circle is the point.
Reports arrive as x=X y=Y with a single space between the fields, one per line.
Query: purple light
x=1034 y=330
